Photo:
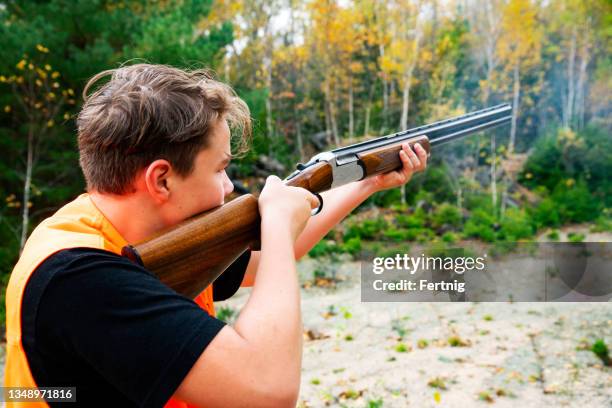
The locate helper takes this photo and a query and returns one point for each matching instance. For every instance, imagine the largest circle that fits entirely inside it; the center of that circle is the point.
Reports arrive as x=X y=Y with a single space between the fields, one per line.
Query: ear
x=156 y=180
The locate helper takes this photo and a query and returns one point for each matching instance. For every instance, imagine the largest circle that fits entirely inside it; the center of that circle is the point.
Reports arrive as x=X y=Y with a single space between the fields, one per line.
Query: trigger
x=317 y=210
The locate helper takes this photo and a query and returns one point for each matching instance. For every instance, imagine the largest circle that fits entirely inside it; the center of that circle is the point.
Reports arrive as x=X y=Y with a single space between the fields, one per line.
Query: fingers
x=422 y=154
x=416 y=163
x=312 y=199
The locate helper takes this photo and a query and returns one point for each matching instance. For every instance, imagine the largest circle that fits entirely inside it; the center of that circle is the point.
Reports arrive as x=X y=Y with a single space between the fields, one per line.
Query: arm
x=257 y=362
x=339 y=202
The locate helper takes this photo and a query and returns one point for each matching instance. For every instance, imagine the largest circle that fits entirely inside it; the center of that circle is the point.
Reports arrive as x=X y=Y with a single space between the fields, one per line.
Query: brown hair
x=147 y=112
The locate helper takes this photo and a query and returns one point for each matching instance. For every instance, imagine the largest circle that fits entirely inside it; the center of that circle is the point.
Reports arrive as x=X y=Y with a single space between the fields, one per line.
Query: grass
x=456 y=341
x=402 y=348
x=437 y=382
x=600 y=349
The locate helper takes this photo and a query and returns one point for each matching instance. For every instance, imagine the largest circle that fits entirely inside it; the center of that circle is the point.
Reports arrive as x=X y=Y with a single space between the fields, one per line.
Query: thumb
x=272 y=179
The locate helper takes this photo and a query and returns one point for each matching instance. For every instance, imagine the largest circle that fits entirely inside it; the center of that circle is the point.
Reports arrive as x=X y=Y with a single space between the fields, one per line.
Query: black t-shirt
x=96 y=321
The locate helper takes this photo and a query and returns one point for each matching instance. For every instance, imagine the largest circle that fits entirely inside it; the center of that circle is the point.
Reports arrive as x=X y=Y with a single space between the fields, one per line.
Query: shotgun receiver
x=190 y=256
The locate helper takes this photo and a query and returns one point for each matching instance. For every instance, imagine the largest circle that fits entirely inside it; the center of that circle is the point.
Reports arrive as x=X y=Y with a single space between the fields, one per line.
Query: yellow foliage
x=41 y=48
x=21 y=65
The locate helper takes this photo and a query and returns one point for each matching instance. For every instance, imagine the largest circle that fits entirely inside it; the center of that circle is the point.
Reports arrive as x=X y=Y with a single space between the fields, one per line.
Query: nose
x=228 y=185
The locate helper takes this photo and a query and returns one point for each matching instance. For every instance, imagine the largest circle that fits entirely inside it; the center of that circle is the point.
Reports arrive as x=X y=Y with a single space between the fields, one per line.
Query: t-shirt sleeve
x=229 y=282
x=120 y=320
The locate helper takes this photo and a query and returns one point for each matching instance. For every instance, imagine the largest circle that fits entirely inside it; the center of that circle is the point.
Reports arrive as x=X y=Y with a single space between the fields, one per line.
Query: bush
x=564 y=155
x=415 y=220
x=387 y=198
x=515 y=225
x=425 y=235
x=397 y=235
x=446 y=214
x=603 y=223
x=368 y=229
x=575 y=237
x=352 y=246
x=553 y=235
x=575 y=202
x=324 y=247
x=449 y=237
x=480 y=225
x=546 y=214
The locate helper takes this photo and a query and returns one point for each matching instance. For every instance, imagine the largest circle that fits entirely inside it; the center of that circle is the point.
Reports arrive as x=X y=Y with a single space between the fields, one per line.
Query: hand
x=286 y=206
x=412 y=163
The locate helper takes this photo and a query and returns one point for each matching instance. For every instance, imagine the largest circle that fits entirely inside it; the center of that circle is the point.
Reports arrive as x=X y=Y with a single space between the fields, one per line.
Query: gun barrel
x=438 y=132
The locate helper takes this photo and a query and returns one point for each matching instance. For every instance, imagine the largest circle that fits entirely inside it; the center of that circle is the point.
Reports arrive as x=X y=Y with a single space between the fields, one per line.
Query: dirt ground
x=447 y=354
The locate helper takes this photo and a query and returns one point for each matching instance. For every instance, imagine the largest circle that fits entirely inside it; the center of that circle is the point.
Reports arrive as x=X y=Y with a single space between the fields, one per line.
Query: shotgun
x=191 y=255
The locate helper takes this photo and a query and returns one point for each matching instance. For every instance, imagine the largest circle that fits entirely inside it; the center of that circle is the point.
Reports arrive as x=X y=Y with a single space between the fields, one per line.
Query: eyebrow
x=228 y=158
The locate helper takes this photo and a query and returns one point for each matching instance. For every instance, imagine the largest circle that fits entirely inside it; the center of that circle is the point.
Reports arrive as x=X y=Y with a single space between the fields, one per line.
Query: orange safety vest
x=79 y=224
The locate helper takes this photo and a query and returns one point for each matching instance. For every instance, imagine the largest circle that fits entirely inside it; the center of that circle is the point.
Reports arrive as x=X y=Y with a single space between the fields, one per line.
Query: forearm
x=337 y=204
x=271 y=319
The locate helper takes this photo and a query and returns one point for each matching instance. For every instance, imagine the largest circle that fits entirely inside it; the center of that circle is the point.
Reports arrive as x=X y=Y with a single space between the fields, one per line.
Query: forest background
x=321 y=73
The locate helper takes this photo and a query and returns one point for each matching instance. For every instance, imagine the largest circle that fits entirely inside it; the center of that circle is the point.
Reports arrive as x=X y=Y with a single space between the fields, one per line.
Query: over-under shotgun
x=190 y=256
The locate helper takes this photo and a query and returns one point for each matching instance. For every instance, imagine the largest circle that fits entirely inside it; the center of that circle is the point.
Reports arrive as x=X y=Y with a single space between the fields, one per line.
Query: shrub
x=425 y=235
x=575 y=237
x=553 y=235
x=546 y=214
x=396 y=235
x=324 y=247
x=415 y=220
x=368 y=229
x=575 y=202
x=446 y=214
x=449 y=237
x=387 y=198
x=352 y=246
x=480 y=225
x=601 y=350
x=515 y=225
x=603 y=223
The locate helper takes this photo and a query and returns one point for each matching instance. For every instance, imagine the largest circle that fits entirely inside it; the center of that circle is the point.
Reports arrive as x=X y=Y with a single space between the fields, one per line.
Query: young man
x=154 y=143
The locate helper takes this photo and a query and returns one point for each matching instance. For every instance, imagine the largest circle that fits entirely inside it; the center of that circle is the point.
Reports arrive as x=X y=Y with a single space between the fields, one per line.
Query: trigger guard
x=317 y=210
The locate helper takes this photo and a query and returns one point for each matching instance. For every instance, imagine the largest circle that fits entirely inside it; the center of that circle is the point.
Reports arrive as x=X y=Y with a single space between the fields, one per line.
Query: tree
x=518 y=49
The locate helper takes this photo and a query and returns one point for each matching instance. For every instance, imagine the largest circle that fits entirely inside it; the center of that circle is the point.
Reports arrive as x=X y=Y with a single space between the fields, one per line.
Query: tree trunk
x=385 y=112
x=403 y=125
x=515 y=108
x=493 y=175
x=351 y=115
x=326 y=109
x=582 y=80
x=299 y=139
x=366 y=128
x=332 y=117
x=269 y=126
x=27 y=186
x=568 y=112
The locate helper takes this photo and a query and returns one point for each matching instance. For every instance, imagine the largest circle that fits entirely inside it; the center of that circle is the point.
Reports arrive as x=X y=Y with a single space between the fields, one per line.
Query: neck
x=132 y=215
